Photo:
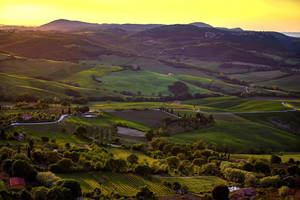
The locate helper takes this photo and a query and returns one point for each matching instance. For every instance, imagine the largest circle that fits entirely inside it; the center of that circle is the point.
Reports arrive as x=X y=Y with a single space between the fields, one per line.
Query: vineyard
x=197 y=184
x=124 y=184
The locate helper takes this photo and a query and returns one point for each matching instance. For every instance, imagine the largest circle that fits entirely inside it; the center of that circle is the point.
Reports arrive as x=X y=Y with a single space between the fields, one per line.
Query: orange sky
x=277 y=15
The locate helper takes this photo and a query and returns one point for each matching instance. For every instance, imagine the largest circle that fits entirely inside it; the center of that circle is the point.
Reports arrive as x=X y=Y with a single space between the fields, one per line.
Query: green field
x=12 y=85
x=242 y=136
x=287 y=83
x=255 y=77
x=148 y=83
x=236 y=104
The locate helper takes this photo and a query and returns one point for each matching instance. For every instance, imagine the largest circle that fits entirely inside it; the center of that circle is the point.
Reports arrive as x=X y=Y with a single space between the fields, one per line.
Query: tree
x=81 y=131
x=143 y=170
x=21 y=168
x=179 y=89
x=149 y=135
x=132 y=159
x=173 y=162
x=145 y=194
x=27 y=97
x=275 y=159
x=65 y=165
x=40 y=193
x=116 y=165
x=220 y=192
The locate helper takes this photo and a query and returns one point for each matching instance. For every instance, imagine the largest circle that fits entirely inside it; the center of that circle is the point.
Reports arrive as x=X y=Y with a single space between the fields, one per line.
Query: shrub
x=262 y=167
x=248 y=167
x=173 y=162
x=143 y=170
x=47 y=178
x=220 y=192
x=145 y=194
x=65 y=165
x=271 y=181
x=199 y=161
x=251 y=180
x=275 y=159
x=37 y=156
x=40 y=193
x=132 y=159
x=116 y=165
x=210 y=169
x=234 y=175
x=289 y=181
x=21 y=168
x=284 y=191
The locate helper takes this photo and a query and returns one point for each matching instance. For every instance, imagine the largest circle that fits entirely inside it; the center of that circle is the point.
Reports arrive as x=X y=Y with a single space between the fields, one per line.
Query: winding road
x=41 y=123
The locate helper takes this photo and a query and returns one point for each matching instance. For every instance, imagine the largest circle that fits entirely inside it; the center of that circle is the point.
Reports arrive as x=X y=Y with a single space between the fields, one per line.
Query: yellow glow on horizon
x=278 y=15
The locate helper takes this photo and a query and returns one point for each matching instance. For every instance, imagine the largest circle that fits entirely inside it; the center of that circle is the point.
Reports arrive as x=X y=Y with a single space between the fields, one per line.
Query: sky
x=267 y=15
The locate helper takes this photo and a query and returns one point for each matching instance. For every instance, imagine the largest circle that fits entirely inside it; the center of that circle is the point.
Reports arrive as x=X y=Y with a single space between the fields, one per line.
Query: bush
x=271 y=181
x=132 y=159
x=173 y=162
x=210 y=169
x=143 y=170
x=47 y=178
x=116 y=165
x=65 y=165
x=40 y=193
x=262 y=167
x=235 y=175
x=145 y=194
x=275 y=159
x=67 y=189
x=251 y=180
x=21 y=168
x=199 y=161
x=220 y=192
x=284 y=191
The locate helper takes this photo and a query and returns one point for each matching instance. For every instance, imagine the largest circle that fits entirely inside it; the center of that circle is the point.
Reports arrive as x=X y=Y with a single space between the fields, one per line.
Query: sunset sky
x=277 y=15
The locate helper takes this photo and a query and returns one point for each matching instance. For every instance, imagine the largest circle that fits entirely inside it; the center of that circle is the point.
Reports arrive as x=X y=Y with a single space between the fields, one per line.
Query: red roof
x=16 y=181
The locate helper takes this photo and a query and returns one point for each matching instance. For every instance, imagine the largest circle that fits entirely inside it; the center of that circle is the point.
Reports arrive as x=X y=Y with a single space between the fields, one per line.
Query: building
x=26 y=116
x=17 y=183
x=177 y=102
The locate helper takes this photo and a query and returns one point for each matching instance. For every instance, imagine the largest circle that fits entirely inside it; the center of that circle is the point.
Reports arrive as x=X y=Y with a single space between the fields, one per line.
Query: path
x=41 y=123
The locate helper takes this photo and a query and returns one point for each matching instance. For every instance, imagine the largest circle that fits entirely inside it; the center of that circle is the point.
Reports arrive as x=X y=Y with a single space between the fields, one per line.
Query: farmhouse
x=177 y=102
x=17 y=183
x=26 y=116
x=170 y=74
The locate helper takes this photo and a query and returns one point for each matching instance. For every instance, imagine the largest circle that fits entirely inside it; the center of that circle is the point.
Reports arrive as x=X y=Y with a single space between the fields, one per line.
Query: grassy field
x=12 y=85
x=148 y=83
x=255 y=77
x=150 y=118
x=242 y=136
x=287 y=83
x=54 y=70
x=236 y=104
